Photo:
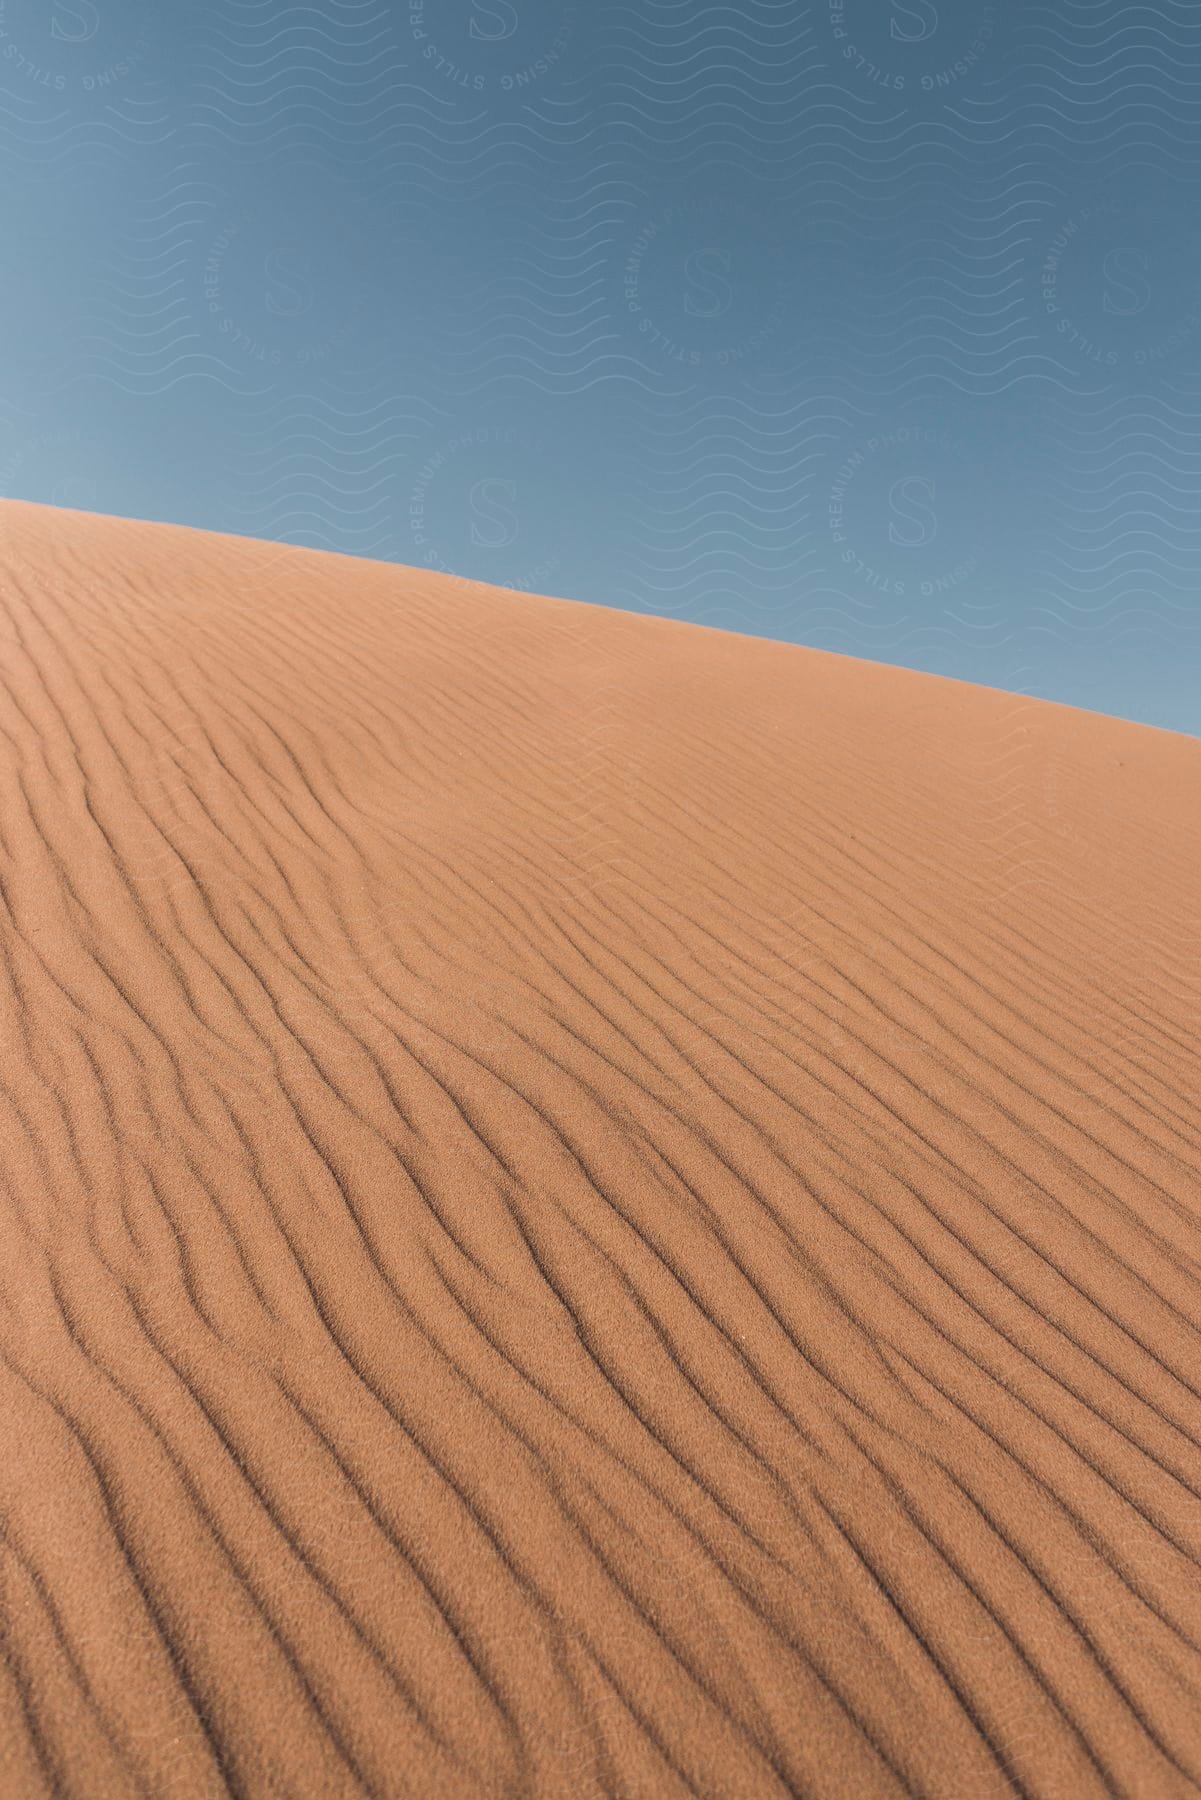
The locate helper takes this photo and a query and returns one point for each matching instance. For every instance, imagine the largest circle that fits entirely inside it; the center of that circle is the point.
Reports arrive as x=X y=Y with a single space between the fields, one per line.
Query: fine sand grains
x=588 y=1206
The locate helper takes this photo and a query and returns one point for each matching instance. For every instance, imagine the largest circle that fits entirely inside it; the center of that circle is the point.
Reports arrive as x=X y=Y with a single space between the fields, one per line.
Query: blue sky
x=868 y=324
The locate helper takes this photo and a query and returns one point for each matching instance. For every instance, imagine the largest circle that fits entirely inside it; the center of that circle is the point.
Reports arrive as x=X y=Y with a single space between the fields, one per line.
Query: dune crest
x=591 y=1207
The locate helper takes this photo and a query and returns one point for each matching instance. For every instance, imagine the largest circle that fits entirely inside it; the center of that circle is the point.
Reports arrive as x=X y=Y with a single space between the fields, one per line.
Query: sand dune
x=590 y=1207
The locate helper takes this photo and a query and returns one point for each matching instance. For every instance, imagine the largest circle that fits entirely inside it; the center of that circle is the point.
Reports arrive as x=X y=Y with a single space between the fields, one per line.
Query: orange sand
x=590 y=1206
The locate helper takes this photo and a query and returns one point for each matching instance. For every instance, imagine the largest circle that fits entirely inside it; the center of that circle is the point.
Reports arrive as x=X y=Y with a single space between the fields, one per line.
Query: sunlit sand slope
x=589 y=1207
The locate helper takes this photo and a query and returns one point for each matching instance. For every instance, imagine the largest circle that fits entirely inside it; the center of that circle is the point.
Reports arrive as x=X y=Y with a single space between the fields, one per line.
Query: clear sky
x=869 y=324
